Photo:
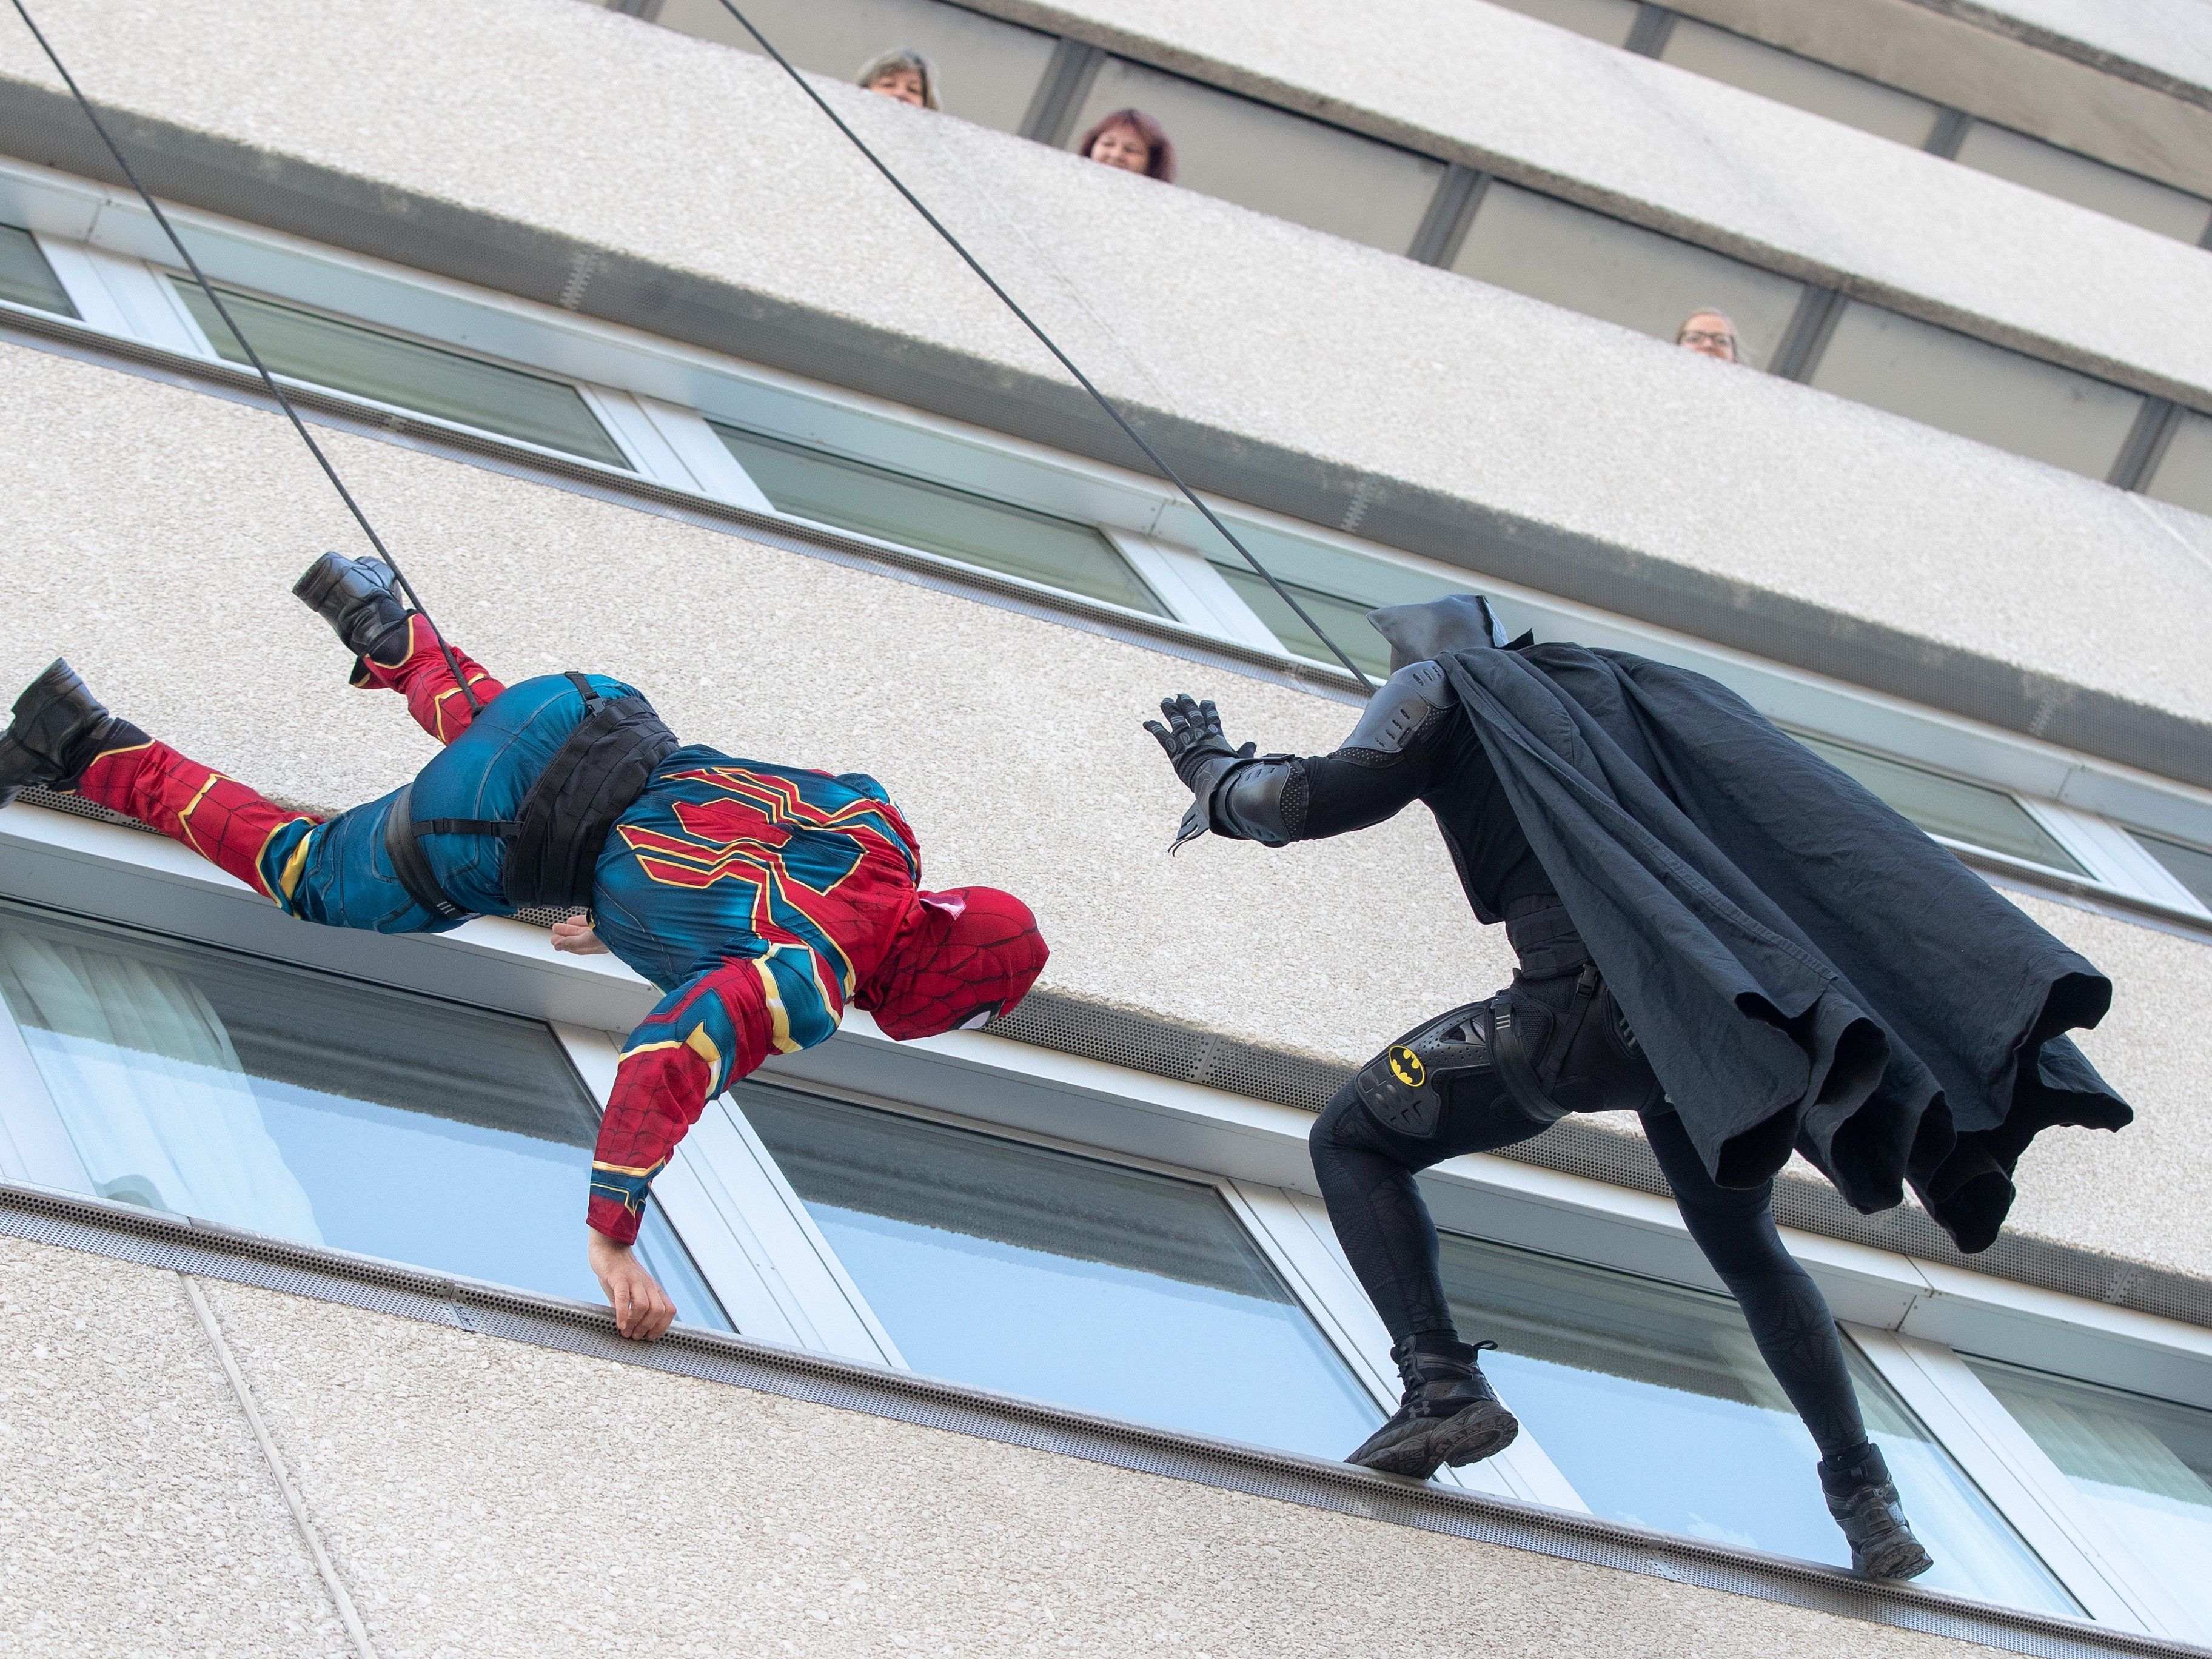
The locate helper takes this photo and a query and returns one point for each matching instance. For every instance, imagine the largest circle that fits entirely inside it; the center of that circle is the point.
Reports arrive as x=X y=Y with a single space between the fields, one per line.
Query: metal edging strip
x=150 y=1239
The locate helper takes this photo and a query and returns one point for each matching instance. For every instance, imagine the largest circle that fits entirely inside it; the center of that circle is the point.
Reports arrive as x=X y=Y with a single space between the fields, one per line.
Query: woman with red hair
x=1130 y=139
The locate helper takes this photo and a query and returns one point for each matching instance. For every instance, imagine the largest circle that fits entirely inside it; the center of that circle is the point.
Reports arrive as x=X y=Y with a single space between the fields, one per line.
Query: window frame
x=749 y=1238
x=631 y=380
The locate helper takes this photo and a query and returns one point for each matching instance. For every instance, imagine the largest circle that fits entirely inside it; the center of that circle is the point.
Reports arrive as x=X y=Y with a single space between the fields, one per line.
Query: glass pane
x=2190 y=866
x=1977 y=390
x=1601 y=267
x=392 y=370
x=317 y=1109
x=2145 y=1466
x=988 y=71
x=854 y=496
x=2184 y=471
x=1656 y=1404
x=25 y=276
x=1972 y=813
x=1609 y=21
x=1039 y=1273
x=1788 y=79
x=1271 y=160
x=1337 y=587
x=2061 y=172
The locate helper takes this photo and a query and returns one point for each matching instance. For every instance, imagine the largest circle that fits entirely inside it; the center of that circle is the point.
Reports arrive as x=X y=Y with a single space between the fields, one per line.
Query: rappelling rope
x=253 y=357
x=1029 y=323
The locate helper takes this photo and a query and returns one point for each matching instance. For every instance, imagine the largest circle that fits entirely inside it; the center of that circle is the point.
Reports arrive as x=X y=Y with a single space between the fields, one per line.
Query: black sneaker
x=1449 y=1414
x=1865 y=1504
x=355 y=596
x=60 y=728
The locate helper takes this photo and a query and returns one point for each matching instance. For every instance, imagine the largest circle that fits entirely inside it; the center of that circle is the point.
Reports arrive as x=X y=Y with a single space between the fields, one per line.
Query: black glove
x=1200 y=755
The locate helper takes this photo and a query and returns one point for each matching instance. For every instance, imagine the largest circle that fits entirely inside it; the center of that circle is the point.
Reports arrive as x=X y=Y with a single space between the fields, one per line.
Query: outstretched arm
x=710 y=1030
x=1388 y=760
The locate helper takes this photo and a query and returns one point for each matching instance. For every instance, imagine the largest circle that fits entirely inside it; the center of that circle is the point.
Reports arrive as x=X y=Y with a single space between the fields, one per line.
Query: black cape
x=1805 y=968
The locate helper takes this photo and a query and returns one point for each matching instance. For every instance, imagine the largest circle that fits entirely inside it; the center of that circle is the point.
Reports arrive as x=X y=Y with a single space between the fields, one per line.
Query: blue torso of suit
x=718 y=858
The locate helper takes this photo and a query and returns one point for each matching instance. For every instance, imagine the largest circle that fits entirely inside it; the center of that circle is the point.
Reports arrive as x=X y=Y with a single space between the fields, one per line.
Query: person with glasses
x=1710 y=334
x=1715 y=930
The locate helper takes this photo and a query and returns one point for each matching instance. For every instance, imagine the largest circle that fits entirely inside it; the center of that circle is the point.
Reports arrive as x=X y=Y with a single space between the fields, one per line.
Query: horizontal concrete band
x=170 y=1244
x=437 y=237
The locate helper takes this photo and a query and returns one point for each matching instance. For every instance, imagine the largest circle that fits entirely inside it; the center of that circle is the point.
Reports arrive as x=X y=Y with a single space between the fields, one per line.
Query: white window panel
x=1610 y=21
x=124 y=296
x=1788 y=79
x=1295 y=1230
x=1604 y=267
x=746 y=1230
x=705 y=458
x=1977 y=390
x=2073 y=178
x=988 y=71
x=2184 y=476
x=1191 y=587
x=2113 y=857
x=1262 y=157
x=2017 y=1475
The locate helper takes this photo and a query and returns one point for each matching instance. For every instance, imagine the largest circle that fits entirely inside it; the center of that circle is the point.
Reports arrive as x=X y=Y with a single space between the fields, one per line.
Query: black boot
x=1865 y=1505
x=356 y=597
x=59 y=729
x=1450 y=1414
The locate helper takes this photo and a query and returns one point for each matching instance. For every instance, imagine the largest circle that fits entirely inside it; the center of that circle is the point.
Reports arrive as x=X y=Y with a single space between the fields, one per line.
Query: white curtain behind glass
x=148 y=1084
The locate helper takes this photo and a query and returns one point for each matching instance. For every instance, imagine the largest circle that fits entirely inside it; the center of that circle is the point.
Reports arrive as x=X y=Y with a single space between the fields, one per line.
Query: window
x=2184 y=475
x=25 y=278
x=2144 y=1466
x=987 y=71
x=290 y=1103
x=1977 y=390
x=1268 y=159
x=1610 y=21
x=2072 y=177
x=370 y=363
x=2190 y=866
x=1042 y=1274
x=1788 y=79
x=1950 y=807
x=1337 y=589
x=1602 y=267
x=875 y=502
x=1654 y=1402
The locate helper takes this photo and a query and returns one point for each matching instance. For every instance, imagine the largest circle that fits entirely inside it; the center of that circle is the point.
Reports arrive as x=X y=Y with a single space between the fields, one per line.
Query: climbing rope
x=253 y=357
x=1029 y=323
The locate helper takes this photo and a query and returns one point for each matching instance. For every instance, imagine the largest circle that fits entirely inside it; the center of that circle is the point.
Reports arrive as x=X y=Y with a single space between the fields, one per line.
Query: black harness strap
x=411 y=865
x=553 y=848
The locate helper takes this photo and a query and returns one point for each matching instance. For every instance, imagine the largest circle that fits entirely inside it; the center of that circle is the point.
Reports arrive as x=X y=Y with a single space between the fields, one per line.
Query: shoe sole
x=321 y=577
x=1469 y=1437
x=1905 y=1558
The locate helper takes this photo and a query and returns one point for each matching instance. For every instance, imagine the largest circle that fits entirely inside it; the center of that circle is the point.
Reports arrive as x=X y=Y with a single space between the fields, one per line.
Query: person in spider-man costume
x=763 y=900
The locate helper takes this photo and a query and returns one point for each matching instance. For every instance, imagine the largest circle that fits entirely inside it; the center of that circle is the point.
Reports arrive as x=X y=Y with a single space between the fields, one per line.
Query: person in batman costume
x=1715 y=930
x=762 y=900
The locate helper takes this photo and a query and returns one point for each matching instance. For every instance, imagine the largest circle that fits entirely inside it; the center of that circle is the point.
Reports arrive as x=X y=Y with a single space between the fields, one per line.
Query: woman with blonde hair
x=901 y=72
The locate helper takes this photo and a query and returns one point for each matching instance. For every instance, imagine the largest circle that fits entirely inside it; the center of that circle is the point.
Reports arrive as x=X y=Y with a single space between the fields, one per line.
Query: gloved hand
x=1200 y=755
x=1194 y=740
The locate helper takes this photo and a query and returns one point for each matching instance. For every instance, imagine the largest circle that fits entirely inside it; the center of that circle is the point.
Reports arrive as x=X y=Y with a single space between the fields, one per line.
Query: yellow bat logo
x=1406 y=1066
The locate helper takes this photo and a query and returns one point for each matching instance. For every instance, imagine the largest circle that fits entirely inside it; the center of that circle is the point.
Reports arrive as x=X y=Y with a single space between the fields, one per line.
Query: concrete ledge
x=155 y=1240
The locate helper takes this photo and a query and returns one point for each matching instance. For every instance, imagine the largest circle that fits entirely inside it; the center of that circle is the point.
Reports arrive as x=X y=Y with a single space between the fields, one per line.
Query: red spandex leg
x=422 y=676
x=237 y=829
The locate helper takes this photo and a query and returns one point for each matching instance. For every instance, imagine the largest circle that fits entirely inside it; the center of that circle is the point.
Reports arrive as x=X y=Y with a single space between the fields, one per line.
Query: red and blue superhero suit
x=763 y=900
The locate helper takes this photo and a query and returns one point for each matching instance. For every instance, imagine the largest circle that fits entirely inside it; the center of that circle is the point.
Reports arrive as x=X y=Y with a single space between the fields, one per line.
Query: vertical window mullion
x=1188 y=585
x=1294 y=1232
x=2013 y=1474
x=767 y=1274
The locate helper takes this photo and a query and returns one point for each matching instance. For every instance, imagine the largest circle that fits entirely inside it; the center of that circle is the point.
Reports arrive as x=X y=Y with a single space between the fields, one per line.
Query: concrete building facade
x=1035 y=1339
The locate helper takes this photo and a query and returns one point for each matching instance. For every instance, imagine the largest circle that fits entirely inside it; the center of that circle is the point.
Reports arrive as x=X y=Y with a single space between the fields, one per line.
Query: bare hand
x=575 y=935
x=642 y=1310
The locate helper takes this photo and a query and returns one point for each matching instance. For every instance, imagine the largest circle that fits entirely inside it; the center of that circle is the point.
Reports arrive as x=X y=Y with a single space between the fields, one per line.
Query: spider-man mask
x=960 y=958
